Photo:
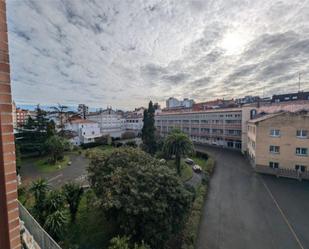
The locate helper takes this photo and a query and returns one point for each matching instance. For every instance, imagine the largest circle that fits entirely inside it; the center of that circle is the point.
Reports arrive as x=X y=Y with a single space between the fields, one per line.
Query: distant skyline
x=124 y=53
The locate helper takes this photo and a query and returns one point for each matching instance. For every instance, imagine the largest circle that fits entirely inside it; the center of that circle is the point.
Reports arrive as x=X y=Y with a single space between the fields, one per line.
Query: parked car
x=196 y=168
x=189 y=161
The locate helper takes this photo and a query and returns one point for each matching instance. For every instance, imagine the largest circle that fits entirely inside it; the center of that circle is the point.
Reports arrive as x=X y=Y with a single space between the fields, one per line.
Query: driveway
x=245 y=210
x=76 y=172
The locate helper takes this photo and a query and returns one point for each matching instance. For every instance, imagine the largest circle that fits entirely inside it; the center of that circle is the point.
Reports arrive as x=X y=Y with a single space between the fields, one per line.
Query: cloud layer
x=122 y=53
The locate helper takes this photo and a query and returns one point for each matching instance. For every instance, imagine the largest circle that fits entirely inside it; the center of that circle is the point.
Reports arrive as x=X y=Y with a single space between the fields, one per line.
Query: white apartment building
x=109 y=121
x=173 y=102
x=84 y=131
x=221 y=127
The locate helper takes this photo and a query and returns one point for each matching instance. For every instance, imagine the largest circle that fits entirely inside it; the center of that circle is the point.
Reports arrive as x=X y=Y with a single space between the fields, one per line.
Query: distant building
x=214 y=104
x=247 y=100
x=175 y=103
x=290 y=97
x=134 y=121
x=21 y=117
x=83 y=110
x=279 y=144
x=83 y=131
x=110 y=122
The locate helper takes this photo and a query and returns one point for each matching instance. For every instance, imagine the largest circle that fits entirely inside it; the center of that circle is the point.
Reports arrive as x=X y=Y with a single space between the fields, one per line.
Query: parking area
x=248 y=210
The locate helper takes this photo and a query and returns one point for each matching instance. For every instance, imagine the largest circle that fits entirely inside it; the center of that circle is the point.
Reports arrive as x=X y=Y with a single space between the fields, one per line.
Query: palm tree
x=54 y=202
x=177 y=144
x=39 y=189
x=61 y=112
x=55 y=224
x=73 y=193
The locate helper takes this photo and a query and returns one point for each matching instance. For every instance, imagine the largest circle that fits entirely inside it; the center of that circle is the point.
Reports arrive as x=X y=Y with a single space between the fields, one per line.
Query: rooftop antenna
x=299 y=82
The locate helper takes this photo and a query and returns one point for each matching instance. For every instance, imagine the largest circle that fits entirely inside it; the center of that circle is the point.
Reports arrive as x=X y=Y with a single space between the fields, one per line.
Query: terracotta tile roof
x=81 y=121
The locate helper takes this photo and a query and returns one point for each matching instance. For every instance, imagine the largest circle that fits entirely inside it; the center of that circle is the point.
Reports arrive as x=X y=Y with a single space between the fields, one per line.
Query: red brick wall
x=9 y=218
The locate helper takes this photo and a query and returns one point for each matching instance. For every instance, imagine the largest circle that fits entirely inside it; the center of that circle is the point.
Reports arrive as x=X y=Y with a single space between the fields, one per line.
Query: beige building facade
x=279 y=144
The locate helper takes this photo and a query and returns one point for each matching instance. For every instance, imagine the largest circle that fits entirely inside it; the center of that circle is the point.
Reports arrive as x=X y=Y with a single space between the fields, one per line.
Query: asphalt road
x=246 y=210
x=76 y=172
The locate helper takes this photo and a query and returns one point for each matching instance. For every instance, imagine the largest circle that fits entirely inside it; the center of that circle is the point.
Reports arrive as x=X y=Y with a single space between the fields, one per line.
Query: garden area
x=138 y=198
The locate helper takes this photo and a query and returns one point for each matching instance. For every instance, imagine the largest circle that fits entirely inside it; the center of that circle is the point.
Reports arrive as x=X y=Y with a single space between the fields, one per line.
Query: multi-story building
x=214 y=104
x=221 y=127
x=290 y=97
x=83 y=110
x=279 y=144
x=83 y=131
x=134 y=122
x=175 y=103
x=21 y=117
x=110 y=122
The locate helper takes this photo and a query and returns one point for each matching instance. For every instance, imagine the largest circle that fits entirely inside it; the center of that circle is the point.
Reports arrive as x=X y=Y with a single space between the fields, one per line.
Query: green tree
x=41 y=119
x=55 y=224
x=177 y=144
x=73 y=193
x=56 y=146
x=124 y=243
x=18 y=158
x=61 y=111
x=147 y=199
x=54 y=202
x=148 y=130
x=51 y=128
x=39 y=190
x=30 y=123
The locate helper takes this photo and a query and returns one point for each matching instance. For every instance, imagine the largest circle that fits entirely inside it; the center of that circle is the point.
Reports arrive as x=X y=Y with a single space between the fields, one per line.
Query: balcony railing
x=34 y=235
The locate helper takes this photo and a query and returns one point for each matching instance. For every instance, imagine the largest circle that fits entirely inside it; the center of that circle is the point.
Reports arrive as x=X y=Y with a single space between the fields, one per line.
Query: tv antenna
x=299 y=82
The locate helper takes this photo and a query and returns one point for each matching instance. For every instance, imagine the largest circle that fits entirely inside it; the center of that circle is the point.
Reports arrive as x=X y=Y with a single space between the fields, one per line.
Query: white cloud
x=122 y=53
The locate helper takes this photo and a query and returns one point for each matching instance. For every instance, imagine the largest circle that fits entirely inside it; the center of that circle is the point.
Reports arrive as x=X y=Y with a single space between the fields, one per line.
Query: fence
x=280 y=172
x=41 y=237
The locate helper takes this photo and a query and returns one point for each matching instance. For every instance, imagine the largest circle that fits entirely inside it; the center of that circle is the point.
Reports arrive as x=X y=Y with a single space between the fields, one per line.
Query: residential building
x=83 y=110
x=221 y=127
x=110 y=122
x=214 y=104
x=248 y=99
x=290 y=97
x=21 y=117
x=9 y=214
x=175 y=103
x=83 y=131
x=134 y=121
x=279 y=144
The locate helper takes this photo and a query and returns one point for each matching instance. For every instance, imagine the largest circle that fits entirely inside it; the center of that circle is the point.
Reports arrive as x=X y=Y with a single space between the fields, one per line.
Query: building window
x=301 y=151
x=302 y=133
x=274 y=133
x=301 y=168
x=274 y=165
x=274 y=149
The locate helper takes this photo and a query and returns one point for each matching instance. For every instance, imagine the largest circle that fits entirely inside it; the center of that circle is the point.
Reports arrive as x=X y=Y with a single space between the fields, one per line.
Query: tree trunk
x=178 y=164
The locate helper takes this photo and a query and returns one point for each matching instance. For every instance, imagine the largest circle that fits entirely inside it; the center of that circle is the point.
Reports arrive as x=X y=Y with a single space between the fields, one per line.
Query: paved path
x=77 y=172
x=245 y=210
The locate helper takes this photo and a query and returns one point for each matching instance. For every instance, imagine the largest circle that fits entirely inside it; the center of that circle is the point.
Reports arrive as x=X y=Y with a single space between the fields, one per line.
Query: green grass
x=92 y=229
x=186 y=170
x=45 y=167
x=190 y=231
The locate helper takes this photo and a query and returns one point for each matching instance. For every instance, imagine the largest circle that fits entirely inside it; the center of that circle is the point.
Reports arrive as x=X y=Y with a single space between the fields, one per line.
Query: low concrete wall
x=280 y=172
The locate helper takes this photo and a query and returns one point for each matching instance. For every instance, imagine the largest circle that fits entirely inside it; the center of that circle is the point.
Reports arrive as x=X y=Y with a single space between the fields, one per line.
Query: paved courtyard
x=245 y=210
x=76 y=172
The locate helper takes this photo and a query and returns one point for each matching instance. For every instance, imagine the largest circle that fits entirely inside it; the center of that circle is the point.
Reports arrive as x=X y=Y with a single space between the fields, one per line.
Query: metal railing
x=41 y=237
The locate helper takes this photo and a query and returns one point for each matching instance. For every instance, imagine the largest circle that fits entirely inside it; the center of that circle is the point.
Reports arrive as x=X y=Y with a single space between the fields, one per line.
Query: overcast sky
x=125 y=52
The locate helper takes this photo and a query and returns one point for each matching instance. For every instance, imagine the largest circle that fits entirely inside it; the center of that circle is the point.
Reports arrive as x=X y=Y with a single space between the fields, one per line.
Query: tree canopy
x=148 y=130
x=146 y=198
x=177 y=144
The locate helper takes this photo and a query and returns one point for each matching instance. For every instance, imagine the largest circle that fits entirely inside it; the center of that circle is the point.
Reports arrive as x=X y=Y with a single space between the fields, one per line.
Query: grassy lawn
x=189 y=234
x=92 y=229
x=186 y=170
x=45 y=167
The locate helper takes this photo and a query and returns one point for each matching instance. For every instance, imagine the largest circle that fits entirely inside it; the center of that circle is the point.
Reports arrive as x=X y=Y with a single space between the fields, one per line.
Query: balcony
x=32 y=234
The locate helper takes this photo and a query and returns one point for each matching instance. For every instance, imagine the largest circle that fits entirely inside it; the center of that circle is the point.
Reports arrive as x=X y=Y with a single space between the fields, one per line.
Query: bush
x=131 y=144
x=128 y=135
x=147 y=199
x=189 y=234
